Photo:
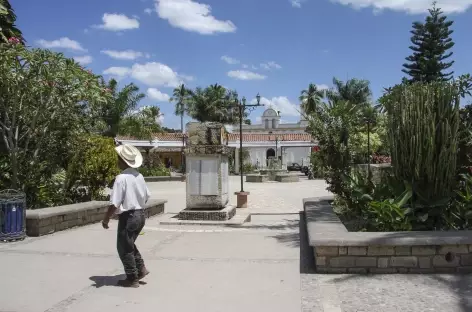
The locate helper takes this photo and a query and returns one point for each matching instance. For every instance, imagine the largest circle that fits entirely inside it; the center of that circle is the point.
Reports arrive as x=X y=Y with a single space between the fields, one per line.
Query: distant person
x=128 y=198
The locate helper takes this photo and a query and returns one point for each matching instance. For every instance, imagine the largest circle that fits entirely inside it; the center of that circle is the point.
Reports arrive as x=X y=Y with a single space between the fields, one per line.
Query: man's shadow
x=111 y=280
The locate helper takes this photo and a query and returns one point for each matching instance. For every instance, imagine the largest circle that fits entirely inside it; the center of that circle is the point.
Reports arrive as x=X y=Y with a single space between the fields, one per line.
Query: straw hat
x=130 y=155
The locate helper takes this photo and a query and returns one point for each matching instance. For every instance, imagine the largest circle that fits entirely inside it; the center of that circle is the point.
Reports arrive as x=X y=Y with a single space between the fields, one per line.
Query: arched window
x=274 y=123
x=267 y=123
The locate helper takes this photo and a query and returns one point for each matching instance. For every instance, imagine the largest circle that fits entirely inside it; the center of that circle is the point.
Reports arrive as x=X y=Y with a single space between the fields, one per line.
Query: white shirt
x=129 y=191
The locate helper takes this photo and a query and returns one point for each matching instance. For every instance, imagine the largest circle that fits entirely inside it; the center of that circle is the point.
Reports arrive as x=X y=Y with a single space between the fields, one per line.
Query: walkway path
x=262 y=266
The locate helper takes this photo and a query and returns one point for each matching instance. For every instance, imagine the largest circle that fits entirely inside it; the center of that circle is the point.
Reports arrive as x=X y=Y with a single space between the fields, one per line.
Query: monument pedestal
x=207 y=168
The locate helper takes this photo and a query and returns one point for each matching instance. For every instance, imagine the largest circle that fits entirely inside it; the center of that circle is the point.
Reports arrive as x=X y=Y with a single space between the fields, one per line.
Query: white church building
x=286 y=141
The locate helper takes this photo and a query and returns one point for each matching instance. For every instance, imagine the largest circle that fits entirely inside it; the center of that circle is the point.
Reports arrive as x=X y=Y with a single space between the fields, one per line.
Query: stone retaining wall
x=394 y=259
x=338 y=251
x=49 y=220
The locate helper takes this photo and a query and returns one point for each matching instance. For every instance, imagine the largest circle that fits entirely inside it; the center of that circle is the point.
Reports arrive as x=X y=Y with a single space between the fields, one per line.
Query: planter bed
x=49 y=220
x=338 y=251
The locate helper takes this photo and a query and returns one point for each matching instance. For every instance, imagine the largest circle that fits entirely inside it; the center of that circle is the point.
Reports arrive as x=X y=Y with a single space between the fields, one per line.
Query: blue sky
x=272 y=47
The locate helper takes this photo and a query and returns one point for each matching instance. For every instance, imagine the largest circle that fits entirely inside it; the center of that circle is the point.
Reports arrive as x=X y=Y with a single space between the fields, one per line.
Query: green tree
x=430 y=45
x=214 y=103
x=356 y=91
x=311 y=98
x=181 y=97
x=142 y=124
x=8 y=30
x=44 y=102
x=122 y=103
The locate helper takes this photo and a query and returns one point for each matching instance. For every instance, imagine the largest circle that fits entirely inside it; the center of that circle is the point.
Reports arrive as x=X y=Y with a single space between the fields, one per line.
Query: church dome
x=270 y=112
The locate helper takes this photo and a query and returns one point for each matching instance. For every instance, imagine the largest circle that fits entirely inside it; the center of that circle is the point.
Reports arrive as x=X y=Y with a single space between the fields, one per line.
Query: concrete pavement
x=263 y=266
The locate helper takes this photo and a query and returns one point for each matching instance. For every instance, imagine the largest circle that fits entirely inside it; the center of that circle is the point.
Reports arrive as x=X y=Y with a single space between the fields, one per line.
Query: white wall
x=300 y=155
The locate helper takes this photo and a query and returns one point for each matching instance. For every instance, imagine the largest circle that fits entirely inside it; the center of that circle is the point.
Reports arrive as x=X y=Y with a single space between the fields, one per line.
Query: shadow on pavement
x=299 y=240
x=112 y=280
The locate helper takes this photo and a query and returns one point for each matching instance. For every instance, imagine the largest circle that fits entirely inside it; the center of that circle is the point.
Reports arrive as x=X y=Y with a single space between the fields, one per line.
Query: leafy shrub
x=158 y=171
x=459 y=213
x=248 y=168
x=93 y=167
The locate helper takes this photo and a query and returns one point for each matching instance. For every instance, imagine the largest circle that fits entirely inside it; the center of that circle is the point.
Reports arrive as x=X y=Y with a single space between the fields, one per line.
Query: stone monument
x=207 y=169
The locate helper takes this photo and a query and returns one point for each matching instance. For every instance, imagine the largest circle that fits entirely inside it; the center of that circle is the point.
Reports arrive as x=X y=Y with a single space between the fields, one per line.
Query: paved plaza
x=264 y=265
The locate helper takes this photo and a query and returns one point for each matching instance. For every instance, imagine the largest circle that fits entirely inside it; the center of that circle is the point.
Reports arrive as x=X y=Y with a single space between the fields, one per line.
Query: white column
x=236 y=160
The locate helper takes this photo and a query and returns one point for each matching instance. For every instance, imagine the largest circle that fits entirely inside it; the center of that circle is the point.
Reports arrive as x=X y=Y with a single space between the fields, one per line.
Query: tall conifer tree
x=431 y=44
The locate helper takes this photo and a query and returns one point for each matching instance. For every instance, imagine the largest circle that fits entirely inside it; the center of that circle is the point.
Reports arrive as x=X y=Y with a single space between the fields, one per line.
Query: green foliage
x=214 y=103
x=355 y=91
x=142 y=124
x=153 y=166
x=430 y=45
x=311 y=98
x=248 y=168
x=423 y=132
x=156 y=171
x=459 y=213
x=93 y=166
x=389 y=215
x=45 y=99
x=121 y=104
x=8 y=29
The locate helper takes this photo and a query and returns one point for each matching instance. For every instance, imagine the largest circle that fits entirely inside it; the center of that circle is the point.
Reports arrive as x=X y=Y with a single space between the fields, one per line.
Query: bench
x=49 y=220
x=257 y=178
x=287 y=177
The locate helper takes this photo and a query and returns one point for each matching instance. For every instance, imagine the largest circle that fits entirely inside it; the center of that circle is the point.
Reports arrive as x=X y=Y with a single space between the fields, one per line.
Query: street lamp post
x=368 y=121
x=277 y=140
x=242 y=106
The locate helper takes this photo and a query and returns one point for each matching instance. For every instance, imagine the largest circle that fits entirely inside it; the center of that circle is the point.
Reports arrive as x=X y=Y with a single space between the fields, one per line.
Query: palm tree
x=354 y=90
x=311 y=99
x=7 y=23
x=123 y=103
x=181 y=97
x=214 y=104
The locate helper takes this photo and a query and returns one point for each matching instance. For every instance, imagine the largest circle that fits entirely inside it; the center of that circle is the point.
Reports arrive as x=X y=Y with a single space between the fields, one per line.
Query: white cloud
x=118 y=22
x=192 y=16
x=296 y=3
x=186 y=77
x=62 y=43
x=123 y=55
x=151 y=74
x=148 y=11
x=409 y=6
x=245 y=66
x=229 y=60
x=84 y=60
x=117 y=71
x=270 y=65
x=155 y=74
x=245 y=75
x=322 y=87
x=157 y=95
x=282 y=104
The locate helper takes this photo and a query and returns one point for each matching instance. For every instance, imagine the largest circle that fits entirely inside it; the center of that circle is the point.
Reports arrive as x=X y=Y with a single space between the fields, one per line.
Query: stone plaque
x=209 y=177
x=193 y=176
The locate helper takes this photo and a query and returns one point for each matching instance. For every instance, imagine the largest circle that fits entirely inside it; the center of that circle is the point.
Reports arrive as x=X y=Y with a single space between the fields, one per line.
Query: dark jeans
x=129 y=226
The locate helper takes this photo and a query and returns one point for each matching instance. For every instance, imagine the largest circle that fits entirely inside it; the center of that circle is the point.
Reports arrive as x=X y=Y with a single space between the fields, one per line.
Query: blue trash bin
x=12 y=215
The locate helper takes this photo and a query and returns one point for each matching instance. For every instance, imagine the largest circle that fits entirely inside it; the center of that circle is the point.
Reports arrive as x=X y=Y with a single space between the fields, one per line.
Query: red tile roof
x=247 y=137
x=253 y=137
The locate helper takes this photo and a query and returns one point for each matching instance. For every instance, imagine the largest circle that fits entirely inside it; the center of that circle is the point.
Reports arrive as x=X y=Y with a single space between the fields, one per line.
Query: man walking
x=127 y=200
